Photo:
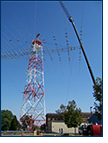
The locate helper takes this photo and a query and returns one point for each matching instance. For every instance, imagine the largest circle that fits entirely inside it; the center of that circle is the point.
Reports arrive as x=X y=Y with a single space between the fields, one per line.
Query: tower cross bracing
x=33 y=95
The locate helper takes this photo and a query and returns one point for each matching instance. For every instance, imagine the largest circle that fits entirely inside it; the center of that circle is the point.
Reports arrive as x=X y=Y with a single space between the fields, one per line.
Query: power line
x=11 y=56
x=26 y=30
x=14 y=44
x=54 y=39
x=17 y=41
x=55 y=43
x=15 y=54
x=22 y=37
x=10 y=45
x=69 y=82
x=66 y=36
x=48 y=51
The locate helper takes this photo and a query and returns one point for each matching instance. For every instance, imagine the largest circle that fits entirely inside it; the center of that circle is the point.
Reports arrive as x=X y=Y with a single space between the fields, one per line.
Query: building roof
x=85 y=115
x=53 y=114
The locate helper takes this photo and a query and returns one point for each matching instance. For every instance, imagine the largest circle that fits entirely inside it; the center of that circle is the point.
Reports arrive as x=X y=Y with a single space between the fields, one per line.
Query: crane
x=72 y=22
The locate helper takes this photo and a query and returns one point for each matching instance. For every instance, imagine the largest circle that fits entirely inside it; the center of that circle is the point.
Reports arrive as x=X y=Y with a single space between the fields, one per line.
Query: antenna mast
x=33 y=108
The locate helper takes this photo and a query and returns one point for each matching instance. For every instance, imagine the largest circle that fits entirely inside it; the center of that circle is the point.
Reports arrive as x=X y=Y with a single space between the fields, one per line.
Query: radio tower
x=33 y=107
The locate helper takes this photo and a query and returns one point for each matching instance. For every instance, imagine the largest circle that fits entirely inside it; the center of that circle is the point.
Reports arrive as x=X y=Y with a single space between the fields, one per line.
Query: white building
x=55 y=123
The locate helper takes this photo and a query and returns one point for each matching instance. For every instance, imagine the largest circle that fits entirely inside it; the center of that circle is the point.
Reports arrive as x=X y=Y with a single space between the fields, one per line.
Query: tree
x=61 y=110
x=27 y=122
x=73 y=115
x=14 y=124
x=98 y=97
x=5 y=124
x=8 y=120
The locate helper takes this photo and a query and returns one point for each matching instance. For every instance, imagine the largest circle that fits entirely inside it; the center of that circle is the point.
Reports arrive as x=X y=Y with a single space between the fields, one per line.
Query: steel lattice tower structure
x=33 y=107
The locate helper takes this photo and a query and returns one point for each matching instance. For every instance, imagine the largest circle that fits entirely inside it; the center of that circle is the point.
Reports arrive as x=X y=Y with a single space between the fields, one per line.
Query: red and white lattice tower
x=33 y=96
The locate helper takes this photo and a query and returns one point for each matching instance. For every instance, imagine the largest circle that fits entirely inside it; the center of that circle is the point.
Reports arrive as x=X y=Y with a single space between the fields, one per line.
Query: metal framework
x=33 y=96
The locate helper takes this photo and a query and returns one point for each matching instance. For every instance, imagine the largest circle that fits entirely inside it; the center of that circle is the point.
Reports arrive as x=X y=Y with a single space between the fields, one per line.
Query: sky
x=64 y=81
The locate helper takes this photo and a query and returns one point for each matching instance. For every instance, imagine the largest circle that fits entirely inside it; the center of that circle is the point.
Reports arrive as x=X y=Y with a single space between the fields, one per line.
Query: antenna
x=33 y=107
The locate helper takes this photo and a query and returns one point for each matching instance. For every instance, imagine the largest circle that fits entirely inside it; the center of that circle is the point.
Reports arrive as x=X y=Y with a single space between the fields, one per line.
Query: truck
x=94 y=130
x=90 y=130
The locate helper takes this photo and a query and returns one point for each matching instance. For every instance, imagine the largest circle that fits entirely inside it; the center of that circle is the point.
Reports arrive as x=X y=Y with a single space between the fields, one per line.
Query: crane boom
x=72 y=22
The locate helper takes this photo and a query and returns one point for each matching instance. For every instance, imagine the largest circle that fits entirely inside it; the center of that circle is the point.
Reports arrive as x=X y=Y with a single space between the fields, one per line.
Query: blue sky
x=61 y=85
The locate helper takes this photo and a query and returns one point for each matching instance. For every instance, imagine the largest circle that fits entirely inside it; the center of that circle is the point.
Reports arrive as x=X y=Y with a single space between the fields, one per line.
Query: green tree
x=27 y=121
x=8 y=121
x=73 y=115
x=98 y=97
x=6 y=118
x=61 y=110
x=14 y=124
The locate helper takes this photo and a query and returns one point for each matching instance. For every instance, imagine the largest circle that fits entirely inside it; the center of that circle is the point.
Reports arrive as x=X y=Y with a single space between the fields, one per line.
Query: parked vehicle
x=94 y=130
x=90 y=130
x=82 y=130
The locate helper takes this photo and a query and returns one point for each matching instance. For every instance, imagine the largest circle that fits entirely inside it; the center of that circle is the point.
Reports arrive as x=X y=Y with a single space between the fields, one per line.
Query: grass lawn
x=74 y=135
